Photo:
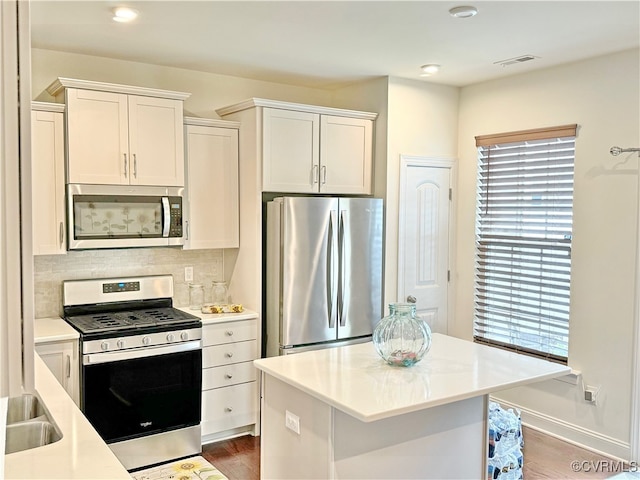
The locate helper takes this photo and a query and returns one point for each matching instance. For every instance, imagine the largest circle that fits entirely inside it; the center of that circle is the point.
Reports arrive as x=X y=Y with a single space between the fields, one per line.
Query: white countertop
x=53 y=329
x=355 y=380
x=209 y=318
x=79 y=454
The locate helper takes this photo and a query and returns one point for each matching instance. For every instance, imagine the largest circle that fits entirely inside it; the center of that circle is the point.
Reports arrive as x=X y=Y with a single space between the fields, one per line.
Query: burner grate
x=127 y=320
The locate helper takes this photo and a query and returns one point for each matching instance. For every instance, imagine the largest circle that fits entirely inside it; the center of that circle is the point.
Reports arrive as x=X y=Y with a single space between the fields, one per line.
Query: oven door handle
x=96 y=358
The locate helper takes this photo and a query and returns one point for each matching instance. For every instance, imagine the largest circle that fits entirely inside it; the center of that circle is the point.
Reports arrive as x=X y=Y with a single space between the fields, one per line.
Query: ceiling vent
x=513 y=61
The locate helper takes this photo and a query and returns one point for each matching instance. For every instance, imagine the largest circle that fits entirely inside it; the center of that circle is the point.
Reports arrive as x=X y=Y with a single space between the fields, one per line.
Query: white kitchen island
x=357 y=417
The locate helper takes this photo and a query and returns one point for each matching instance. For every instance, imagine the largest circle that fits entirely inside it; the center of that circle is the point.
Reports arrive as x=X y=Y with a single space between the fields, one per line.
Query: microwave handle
x=166 y=217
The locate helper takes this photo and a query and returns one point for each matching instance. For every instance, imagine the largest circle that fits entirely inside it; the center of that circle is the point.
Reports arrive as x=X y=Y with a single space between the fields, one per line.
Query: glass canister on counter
x=196 y=296
x=219 y=293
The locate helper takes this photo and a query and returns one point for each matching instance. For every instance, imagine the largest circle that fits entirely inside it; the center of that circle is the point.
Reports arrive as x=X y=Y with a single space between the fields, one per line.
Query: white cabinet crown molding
x=300 y=107
x=48 y=107
x=61 y=83
x=211 y=122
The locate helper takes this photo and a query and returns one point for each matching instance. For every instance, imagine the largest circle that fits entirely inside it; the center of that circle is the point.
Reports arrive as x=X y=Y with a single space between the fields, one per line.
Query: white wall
x=423 y=121
x=208 y=91
x=601 y=95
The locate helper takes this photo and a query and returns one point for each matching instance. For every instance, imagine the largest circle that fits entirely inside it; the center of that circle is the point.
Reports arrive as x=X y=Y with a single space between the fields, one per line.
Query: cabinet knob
x=229 y=354
x=228 y=409
x=229 y=333
x=228 y=375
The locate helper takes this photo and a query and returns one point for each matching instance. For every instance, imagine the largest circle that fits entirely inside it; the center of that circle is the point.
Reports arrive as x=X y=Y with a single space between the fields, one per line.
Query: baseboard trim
x=574 y=434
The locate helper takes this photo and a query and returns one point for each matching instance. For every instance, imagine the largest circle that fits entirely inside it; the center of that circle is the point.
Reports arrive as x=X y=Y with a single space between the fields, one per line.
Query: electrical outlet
x=188 y=274
x=292 y=422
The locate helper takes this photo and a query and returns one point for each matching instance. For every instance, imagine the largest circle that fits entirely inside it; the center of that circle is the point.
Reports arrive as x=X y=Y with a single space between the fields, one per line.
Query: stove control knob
x=184 y=336
x=171 y=337
x=146 y=340
x=104 y=346
x=120 y=343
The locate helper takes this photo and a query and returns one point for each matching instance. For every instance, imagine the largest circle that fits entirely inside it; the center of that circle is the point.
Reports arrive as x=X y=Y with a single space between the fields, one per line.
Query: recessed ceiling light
x=463 y=12
x=124 y=14
x=429 y=69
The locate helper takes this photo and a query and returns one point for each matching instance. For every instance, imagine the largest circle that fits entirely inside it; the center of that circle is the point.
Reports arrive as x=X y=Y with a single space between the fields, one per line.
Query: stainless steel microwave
x=118 y=216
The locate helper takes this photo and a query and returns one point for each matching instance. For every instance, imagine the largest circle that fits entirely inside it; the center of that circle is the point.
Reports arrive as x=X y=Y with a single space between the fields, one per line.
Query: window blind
x=523 y=242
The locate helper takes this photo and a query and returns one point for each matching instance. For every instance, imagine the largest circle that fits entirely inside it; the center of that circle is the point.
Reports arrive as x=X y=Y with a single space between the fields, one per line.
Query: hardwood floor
x=237 y=458
x=545 y=457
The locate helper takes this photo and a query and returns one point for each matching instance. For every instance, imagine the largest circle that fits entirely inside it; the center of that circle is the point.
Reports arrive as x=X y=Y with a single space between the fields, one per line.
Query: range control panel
x=120 y=287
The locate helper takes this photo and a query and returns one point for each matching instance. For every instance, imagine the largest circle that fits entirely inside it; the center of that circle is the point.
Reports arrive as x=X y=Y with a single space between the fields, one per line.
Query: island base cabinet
x=443 y=442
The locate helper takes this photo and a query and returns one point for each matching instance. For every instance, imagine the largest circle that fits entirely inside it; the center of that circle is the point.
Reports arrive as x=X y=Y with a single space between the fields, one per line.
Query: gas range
x=118 y=308
x=141 y=367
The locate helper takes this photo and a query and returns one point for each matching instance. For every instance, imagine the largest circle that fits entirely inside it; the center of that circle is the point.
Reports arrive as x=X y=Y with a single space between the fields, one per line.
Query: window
x=524 y=225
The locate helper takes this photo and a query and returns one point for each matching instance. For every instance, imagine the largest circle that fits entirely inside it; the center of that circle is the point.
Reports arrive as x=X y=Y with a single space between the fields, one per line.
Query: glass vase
x=401 y=338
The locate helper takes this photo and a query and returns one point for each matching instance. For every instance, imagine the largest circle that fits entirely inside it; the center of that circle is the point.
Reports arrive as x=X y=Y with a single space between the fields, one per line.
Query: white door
x=423 y=261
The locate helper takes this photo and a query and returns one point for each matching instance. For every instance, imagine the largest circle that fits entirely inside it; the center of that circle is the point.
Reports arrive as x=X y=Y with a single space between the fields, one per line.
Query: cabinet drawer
x=227 y=375
x=229 y=353
x=229 y=407
x=229 y=332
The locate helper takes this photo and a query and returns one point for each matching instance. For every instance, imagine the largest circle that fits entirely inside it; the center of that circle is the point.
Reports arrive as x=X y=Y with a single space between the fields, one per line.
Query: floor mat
x=193 y=468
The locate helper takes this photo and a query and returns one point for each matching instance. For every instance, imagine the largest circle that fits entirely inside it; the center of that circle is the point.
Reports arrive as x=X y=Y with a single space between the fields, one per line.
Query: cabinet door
x=62 y=359
x=213 y=217
x=345 y=155
x=47 y=182
x=290 y=146
x=97 y=137
x=156 y=141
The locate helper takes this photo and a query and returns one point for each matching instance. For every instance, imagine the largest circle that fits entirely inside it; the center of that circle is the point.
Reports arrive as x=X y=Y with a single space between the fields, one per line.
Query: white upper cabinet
x=120 y=135
x=47 y=179
x=212 y=214
x=345 y=155
x=311 y=149
x=291 y=151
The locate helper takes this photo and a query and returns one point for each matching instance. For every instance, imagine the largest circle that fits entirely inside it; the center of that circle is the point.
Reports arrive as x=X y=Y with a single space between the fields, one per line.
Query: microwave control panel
x=175 y=209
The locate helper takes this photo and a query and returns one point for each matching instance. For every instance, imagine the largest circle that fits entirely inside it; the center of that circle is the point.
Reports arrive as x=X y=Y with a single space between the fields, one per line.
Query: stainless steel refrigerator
x=324 y=258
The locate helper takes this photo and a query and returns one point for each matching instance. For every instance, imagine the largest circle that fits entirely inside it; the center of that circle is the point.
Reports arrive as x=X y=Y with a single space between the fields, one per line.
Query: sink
x=28 y=424
x=24 y=407
x=30 y=434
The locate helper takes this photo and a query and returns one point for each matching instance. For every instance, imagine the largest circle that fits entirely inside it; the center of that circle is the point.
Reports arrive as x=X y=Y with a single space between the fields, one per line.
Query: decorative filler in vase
x=401 y=338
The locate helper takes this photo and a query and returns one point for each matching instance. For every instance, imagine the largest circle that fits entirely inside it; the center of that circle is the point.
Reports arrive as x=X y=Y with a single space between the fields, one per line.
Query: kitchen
x=602 y=103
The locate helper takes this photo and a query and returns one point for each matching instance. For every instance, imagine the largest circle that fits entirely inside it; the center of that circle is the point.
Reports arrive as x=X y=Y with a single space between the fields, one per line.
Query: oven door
x=125 y=395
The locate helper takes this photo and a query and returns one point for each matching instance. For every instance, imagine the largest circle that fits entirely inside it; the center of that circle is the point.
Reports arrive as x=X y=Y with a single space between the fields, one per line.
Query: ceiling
x=327 y=44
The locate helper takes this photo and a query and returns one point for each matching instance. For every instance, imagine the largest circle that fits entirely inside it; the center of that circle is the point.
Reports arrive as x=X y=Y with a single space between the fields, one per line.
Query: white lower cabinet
x=62 y=359
x=229 y=379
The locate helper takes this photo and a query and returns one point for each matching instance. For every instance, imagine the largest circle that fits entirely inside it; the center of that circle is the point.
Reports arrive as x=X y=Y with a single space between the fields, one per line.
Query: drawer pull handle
x=228 y=409
x=229 y=354
x=229 y=333
x=228 y=375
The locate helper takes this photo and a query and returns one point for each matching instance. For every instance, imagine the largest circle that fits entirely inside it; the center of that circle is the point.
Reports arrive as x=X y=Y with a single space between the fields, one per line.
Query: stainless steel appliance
x=141 y=372
x=324 y=272
x=116 y=216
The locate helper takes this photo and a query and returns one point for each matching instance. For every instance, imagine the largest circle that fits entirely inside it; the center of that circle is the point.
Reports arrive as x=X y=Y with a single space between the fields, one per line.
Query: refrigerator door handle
x=341 y=269
x=332 y=270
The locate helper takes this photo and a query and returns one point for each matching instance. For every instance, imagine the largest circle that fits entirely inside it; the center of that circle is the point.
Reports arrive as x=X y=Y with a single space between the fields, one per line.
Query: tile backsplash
x=51 y=270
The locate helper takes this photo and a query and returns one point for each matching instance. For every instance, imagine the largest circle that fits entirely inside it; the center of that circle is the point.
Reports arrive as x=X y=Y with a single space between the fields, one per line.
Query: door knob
x=411 y=299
